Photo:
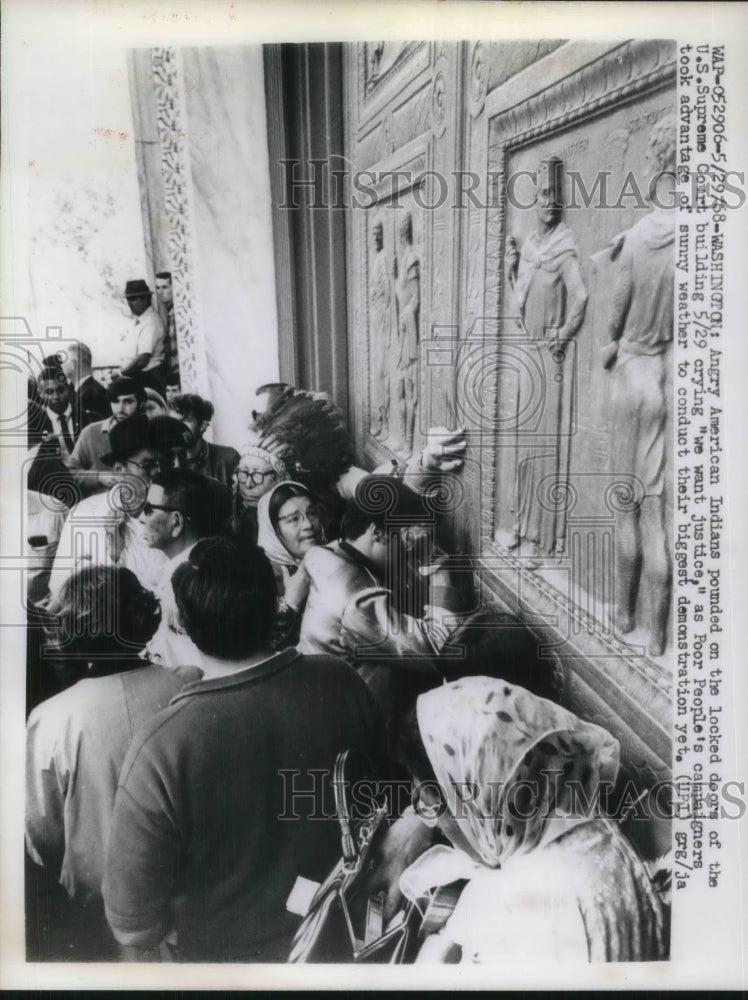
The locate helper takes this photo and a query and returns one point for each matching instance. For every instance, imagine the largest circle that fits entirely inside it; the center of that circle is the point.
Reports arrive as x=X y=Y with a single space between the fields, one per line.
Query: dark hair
x=385 y=502
x=204 y=502
x=496 y=644
x=226 y=598
x=103 y=612
x=188 y=404
x=282 y=493
x=164 y=274
x=308 y=432
x=355 y=521
x=52 y=371
x=123 y=385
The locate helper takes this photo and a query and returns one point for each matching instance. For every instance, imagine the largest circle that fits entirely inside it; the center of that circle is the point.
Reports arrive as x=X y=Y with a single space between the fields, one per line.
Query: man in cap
x=126 y=398
x=104 y=529
x=149 y=346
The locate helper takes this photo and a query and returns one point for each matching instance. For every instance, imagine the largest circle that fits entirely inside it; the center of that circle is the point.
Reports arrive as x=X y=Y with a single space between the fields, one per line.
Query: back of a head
x=226 y=599
x=193 y=407
x=387 y=503
x=103 y=611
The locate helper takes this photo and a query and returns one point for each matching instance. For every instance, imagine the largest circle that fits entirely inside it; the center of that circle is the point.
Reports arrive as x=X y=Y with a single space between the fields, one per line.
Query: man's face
x=164 y=290
x=160 y=526
x=196 y=427
x=176 y=458
x=171 y=392
x=137 y=472
x=124 y=407
x=139 y=305
x=55 y=393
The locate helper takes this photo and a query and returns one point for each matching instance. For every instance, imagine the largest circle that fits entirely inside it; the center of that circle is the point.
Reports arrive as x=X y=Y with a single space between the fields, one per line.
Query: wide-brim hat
x=137 y=289
x=160 y=434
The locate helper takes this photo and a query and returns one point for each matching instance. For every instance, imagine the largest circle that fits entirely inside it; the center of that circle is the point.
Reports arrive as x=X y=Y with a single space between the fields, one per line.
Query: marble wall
x=76 y=231
x=216 y=166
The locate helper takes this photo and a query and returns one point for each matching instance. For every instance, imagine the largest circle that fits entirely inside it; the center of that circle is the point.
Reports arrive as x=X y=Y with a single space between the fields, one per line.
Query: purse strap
x=350 y=851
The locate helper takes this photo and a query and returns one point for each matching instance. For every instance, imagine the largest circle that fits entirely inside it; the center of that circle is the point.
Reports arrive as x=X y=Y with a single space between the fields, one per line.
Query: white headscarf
x=267 y=536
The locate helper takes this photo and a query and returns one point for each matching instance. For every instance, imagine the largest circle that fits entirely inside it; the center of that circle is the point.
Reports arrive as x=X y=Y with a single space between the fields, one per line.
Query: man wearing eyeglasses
x=182 y=508
x=104 y=529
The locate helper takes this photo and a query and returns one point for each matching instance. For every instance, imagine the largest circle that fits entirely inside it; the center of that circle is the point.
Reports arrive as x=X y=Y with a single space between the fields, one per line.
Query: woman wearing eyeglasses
x=290 y=523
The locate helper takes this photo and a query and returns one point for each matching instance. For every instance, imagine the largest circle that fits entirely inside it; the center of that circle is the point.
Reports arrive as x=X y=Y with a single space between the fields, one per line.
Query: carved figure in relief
x=407 y=273
x=551 y=297
x=641 y=331
x=381 y=301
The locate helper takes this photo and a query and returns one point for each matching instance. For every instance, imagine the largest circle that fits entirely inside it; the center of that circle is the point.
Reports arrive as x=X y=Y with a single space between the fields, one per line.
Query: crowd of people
x=206 y=622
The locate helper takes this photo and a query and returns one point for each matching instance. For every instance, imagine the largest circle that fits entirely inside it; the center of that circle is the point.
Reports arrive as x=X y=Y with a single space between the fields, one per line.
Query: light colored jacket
x=350 y=614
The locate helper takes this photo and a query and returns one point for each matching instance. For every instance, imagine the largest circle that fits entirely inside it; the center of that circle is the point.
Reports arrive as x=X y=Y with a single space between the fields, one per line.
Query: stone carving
x=641 y=331
x=382 y=58
x=478 y=81
x=551 y=298
x=407 y=274
x=381 y=304
x=178 y=208
x=439 y=104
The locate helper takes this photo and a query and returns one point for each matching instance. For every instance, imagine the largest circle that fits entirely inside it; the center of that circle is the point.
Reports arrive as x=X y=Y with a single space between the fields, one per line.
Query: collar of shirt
x=81 y=380
x=145 y=315
x=243 y=675
x=55 y=417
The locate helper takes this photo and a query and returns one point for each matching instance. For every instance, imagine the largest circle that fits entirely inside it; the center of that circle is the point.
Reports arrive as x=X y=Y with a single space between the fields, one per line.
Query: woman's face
x=299 y=525
x=253 y=477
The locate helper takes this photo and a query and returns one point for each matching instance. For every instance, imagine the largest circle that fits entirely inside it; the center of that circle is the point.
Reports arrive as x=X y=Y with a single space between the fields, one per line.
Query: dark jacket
x=39 y=424
x=92 y=396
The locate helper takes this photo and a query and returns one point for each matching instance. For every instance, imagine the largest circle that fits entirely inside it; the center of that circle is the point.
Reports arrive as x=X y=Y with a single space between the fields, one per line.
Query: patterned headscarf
x=505 y=760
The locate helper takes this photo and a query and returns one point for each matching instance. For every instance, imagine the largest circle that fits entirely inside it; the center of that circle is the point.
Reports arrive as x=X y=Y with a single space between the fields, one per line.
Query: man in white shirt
x=165 y=305
x=149 y=344
x=182 y=507
x=105 y=529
